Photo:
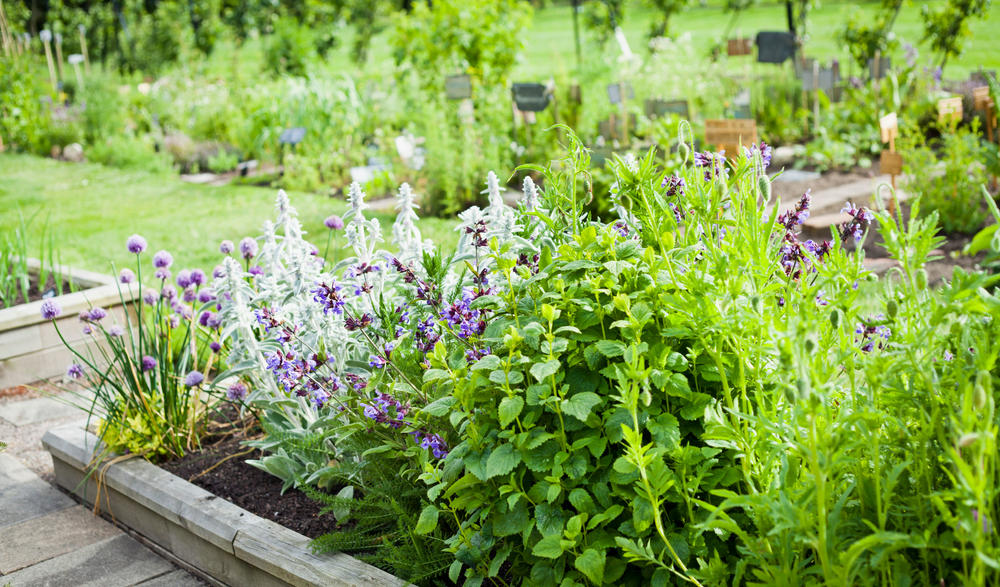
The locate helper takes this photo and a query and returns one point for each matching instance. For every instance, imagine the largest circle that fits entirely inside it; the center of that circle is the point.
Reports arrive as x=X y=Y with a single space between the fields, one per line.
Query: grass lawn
x=92 y=210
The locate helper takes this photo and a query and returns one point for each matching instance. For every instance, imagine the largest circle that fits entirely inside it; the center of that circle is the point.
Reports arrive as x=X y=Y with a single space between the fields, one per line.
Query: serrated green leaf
x=510 y=408
x=489 y=362
x=541 y=371
x=513 y=521
x=591 y=564
x=548 y=547
x=434 y=375
x=502 y=460
x=439 y=407
x=428 y=520
x=549 y=519
x=611 y=348
x=580 y=405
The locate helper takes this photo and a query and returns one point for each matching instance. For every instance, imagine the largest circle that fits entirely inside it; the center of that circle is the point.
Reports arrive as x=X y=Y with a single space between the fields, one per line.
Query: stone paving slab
x=49 y=536
x=43 y=409
x=177 y=578
x=119 y=561
x=24 y=496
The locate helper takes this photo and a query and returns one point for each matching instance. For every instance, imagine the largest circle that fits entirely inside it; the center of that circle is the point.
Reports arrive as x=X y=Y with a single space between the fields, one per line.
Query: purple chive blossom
x=148 y=363
x=197 y=277
x=174 y=321
x=333 y=222
x=168 y=292
x=190 y=295
x=248 y=248
x=219 y=272
x=136 y=244
x=183 y=278
x=74 y=371
x=163 y=260
x=87 y=329
x=226 y=247
x=236 y=392
x=256 y=270
x=214 y=321
x=215 y=346
x=50 y=309
x=126 y=276
x=205 y=296
x=163 y=274
x=149 y=297
x=116 y=331
x=194 y=379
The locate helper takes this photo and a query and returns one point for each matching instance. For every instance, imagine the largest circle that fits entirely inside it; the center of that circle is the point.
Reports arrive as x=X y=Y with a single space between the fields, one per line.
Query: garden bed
x=30 y=348
x=219 y=538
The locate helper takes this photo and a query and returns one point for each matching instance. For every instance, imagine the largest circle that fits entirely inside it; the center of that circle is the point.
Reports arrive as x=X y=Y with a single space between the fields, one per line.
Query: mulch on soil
x=249 y=487
x=35 y=291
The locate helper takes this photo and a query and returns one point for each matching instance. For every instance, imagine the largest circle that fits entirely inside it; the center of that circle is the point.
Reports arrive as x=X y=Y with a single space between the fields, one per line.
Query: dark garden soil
x=220 y=468
x=36 y=292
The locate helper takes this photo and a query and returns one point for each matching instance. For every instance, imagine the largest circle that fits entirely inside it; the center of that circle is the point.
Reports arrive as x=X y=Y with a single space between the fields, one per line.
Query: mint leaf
x=611 y=348
x=548 y=547
x=542 y=371
x=591 y=564
x=428 y=520
x=510 y=408
x=580 y=405
x=502 y=461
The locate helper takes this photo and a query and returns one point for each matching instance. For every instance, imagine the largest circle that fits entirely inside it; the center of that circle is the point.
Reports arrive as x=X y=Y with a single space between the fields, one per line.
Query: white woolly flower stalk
x=405 y=234
x=500 y=218
x=530 y=200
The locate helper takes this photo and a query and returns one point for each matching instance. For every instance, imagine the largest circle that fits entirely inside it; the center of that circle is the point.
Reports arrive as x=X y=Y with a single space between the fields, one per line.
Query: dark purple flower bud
x=148 y=363
x=248 y=248
x=126 y=276
x=203 y=319
x=334 y=222
x=215 y=346
x=194 y=379
x=74 y=371
x=163 y=260
x=226 y=247
x=135 y=244
x=50 y=309
x=236 y=392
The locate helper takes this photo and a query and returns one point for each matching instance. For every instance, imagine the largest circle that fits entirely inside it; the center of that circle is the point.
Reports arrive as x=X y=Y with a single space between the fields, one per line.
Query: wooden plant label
x=891 y=163
x=981 y=98
x=889 y=125
x=656 y=108
x=949 y=109
x=736 y=47
x=731 y=133
x=458 y=87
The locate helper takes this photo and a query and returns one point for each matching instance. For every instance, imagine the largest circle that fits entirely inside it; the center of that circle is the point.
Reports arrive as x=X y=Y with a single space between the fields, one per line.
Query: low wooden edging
x=31 y=350
x=222 y=540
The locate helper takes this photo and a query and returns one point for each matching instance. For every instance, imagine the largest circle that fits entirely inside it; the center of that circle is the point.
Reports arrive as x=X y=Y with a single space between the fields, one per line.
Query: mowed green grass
x=91 y=210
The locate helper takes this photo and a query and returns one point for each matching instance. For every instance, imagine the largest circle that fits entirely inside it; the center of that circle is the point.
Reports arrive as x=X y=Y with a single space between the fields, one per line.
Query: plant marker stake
x=889 y=127
x=83 y=48
x=981 y=100
x=816 y=96
x=59 y=57
x=75 y=59
x=46 y=37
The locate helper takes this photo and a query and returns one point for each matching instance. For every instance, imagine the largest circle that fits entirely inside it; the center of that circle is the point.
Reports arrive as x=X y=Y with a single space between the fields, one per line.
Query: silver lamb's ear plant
x=405 y=234
x=500 y=218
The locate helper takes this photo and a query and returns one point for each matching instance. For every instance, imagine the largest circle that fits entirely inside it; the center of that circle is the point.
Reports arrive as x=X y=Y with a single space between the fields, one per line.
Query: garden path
x=47 y=538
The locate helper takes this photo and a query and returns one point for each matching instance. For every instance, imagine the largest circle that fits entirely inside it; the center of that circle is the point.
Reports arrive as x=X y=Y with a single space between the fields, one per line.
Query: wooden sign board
x=950 y=109
x=656 y=108
x=891 y=163
x=730 y=133
x=889 y=126
x=530 y=97
x=458 y=87
x=736 y=47
x=981 y=99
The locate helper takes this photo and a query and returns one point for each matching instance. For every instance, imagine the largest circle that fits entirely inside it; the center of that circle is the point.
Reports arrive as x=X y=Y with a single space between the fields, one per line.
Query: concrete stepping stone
x=22 y=499
x=118 y=561
x=49 y=536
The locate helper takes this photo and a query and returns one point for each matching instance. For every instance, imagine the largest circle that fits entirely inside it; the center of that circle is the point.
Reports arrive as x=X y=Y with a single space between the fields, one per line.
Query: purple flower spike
x=136 y=244
x=226 y=247
x=236 y=392
x=163 y=260
x=334 y=222
x=194 y=379
x=50 y=309
x=74 y=371
x=148 y=363
x=126 y=276
x=248 y=248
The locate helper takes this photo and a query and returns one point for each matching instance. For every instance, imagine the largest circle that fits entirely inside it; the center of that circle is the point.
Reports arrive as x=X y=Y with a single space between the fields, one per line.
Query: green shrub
x=289 y=49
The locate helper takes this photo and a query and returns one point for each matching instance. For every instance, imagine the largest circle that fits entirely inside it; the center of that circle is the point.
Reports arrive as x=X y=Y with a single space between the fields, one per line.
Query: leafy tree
x=865 y=36
x=947 y=27
x=666 y=9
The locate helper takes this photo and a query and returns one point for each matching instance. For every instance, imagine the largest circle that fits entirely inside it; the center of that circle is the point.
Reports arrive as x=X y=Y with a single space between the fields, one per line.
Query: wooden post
x=982 y=101
x=46 y=37
x=890 y=162
x=83 y=48
x=59 y=57
x=816 y=97
x=621 y=106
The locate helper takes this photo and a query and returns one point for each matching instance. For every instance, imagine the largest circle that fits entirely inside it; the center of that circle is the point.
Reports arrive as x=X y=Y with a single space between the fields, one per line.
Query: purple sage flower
x=333 y=222
x=162 y=260
x=50 y=309
x=248 y=248
x=148 y=363
x=126 y=276
x=74 y=371
x=136 y=244
x=194 y=379
x=226 y=247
